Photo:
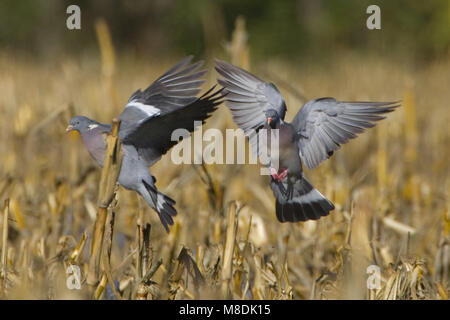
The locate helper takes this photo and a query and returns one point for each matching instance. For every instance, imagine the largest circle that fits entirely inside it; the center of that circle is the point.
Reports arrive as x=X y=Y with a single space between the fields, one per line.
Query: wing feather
x=175 y=89
x=152 y=136
x=248 y=97
x=322 y=125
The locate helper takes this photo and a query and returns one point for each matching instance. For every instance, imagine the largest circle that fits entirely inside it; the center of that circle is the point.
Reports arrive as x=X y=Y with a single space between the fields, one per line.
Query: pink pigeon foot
x=275 y=175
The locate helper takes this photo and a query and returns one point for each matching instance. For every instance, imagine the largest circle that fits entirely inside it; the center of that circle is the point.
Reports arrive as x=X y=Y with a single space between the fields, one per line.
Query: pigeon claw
x=278 y=176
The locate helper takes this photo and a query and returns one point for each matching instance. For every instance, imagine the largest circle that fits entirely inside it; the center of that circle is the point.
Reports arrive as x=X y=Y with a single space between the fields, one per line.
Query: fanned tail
x=297 y=200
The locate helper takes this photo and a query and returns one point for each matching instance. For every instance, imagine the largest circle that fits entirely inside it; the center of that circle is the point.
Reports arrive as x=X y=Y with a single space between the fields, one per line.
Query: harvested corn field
x=69 y=232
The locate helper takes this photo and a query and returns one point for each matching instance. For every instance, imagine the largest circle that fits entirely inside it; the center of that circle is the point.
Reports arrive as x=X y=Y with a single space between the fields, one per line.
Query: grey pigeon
x=146 y=125
x=318 y=129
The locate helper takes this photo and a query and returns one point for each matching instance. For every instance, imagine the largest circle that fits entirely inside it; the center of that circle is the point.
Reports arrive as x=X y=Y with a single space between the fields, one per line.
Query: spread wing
x=152 y=137
x=248 y=97
x=175 y=89
x=322 y=125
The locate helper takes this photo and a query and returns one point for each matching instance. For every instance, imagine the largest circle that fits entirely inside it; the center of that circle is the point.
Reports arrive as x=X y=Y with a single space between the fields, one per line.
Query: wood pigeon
x=318 y=129
x=146 y=126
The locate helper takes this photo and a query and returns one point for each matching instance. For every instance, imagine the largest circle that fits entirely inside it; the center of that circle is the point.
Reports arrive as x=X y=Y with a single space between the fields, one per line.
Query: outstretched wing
x=322 y=125
x=248 y=97
x=152 y=137
x=175 y=89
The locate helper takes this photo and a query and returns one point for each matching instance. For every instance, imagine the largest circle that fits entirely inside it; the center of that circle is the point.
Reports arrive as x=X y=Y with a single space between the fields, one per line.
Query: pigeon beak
x=69 y=128
x=269 y=120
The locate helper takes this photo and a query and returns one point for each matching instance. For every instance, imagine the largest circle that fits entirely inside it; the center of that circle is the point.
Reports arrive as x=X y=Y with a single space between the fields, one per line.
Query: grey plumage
x=318 y=129
x=146 y=126
x=248 y=97
x=324 y=124
x=298 y=200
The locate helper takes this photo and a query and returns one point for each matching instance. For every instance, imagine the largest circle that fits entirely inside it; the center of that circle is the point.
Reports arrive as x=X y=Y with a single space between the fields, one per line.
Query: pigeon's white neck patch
x=92 y=126
x=149 y=110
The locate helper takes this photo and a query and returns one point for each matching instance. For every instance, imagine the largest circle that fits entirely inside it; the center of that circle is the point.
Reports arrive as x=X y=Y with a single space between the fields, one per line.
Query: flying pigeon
x=146 y=125
x=318 y=129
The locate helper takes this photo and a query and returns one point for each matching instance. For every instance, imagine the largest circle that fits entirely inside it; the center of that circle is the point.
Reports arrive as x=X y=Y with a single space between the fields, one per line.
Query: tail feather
x=302 y=202
x=162 y=204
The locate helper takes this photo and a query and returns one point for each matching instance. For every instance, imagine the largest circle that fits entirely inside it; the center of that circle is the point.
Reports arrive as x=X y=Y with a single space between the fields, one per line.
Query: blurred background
x=390 y=186
x=291 y=30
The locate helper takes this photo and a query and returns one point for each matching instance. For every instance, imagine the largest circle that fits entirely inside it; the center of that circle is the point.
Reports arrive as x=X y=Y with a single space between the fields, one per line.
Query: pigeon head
x=81 y=124
x=272 y=117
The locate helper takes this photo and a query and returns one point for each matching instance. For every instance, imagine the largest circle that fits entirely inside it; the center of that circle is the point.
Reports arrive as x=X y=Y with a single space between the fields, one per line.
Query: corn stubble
x=391 y=189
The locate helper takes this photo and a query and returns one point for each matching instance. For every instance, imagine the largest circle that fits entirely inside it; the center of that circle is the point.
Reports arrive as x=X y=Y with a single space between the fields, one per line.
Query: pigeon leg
x=278 y=176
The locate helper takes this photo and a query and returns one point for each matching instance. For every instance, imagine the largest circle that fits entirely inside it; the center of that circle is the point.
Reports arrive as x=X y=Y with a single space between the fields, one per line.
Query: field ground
x=391 y=189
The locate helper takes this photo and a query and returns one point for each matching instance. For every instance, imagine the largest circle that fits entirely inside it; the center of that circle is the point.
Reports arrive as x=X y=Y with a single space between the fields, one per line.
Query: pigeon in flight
x=318 y=129
x=146 y=126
